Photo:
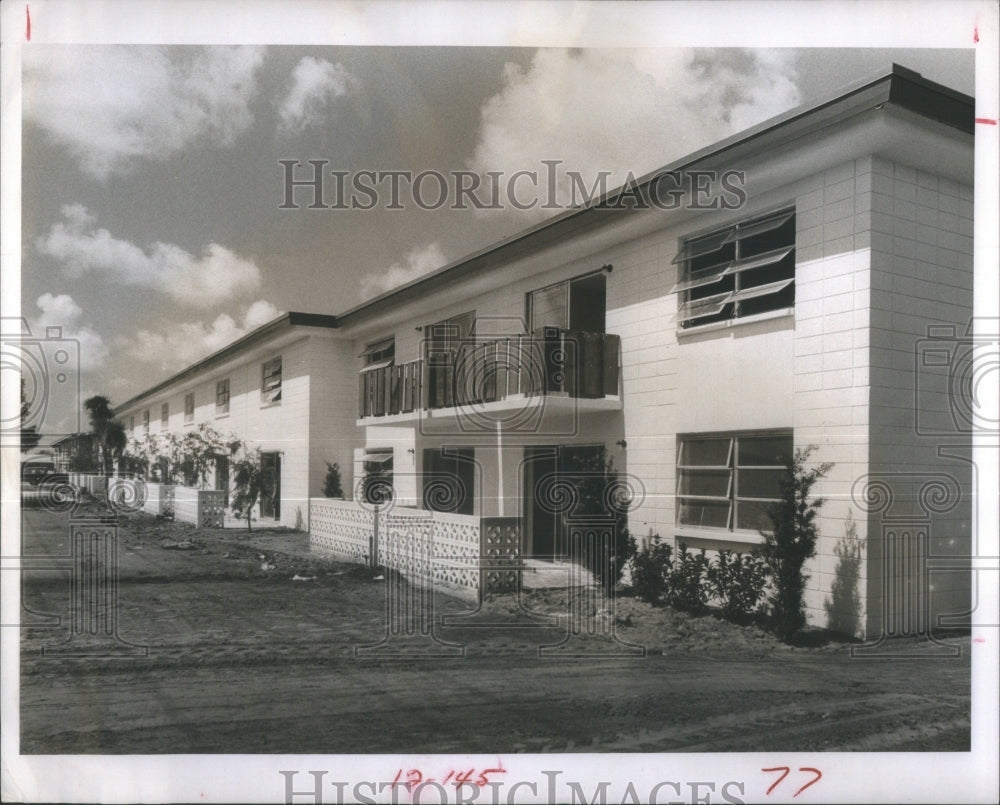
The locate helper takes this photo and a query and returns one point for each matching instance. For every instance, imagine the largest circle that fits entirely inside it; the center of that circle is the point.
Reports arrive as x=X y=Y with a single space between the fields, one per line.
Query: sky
x=152 y=187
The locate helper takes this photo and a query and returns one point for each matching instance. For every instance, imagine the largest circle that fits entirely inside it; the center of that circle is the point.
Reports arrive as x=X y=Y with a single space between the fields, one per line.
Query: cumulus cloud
x=217 y=275
x=182 y=344
x=315 y=84
x=625 y=111
x=417 y=262
x=112 y=106
x=61 y=310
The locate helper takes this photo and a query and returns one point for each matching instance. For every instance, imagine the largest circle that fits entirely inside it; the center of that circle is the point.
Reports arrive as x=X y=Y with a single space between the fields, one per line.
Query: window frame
x=189 y=408
x=145 y=421
x=165 y=415
x=713 y=243
x=272 y=395
x=733 y=468
x=379 y=354
x=222 y=389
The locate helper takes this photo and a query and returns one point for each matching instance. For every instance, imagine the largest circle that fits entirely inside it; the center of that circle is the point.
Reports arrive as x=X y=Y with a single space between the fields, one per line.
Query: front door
x=270 y=496
x=546 y=534
x=222 y=477
x=449 y=480
x=542 y=525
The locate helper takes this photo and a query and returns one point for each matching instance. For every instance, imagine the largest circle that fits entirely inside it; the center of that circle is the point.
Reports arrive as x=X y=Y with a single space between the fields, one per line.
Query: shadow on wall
x=843 y=607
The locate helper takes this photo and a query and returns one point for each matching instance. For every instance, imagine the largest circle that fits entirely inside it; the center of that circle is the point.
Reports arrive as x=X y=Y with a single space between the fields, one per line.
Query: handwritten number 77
x=785 y=770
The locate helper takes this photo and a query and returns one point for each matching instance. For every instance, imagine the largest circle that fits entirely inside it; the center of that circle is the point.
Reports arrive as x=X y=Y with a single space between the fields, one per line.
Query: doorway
x=270 y=496
x=546 y=534
x=222 y=478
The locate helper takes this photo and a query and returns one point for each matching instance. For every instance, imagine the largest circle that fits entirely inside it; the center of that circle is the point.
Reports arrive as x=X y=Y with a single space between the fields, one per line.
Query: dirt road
x=241 y=657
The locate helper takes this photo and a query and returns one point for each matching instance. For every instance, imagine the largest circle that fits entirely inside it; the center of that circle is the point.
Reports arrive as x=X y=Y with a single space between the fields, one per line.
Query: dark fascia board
x=901 y=87
x=285 y=322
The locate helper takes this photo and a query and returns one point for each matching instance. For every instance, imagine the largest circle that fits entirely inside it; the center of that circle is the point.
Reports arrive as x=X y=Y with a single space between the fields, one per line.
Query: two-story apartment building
x=694 y=331
x=281 y=388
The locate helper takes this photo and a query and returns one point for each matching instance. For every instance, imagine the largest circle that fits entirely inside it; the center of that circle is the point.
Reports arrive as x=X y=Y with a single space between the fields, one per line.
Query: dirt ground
x=250 y=645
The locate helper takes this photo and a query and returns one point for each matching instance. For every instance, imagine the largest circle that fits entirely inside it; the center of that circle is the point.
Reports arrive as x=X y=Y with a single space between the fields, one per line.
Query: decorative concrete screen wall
x=159 y=500
x=432 y=546
x=455 y=552
x=203 y=507
x=341 y=527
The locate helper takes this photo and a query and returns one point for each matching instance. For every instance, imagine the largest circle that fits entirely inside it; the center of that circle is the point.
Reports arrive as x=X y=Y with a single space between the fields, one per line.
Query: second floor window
x=738 y=271
x=380 y=354
x=145 y=421
x=577 y=304
x=131 y=425
x=189 y=408
x=270 y=387
x=165 y=414
x=222 y=397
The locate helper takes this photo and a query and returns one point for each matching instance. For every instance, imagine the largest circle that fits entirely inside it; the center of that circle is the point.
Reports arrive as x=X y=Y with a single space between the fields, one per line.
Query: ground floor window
x=727 y=481
x=376 y=485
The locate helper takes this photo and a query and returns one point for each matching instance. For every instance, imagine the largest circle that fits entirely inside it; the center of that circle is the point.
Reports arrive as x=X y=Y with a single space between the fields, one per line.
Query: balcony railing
x=548 y=362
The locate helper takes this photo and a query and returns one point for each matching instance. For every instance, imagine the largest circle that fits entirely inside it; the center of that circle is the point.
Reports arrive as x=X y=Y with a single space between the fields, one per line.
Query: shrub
x=650 y=567
x=791 y=541
x=331 y=485
x=738 y=581
x=687 y=588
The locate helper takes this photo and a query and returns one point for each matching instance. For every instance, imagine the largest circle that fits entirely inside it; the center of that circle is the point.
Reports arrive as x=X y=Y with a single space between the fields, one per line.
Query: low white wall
x=424 y=546
x=159 y=499
x=203 y=507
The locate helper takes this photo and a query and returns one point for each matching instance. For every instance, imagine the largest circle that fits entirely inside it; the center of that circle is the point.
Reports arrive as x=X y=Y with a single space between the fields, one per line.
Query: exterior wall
x=333 y=402
x=922 y=278
x=831 y=362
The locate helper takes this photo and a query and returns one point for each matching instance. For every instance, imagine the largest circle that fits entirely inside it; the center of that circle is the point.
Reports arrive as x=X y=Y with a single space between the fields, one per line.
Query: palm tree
x=106 y=435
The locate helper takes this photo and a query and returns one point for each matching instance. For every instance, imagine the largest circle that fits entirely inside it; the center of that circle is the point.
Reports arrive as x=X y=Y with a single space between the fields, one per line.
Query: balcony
x=551 y=362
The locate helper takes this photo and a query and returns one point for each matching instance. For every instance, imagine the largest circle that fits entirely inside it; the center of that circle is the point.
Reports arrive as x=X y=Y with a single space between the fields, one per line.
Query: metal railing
x=551 y=361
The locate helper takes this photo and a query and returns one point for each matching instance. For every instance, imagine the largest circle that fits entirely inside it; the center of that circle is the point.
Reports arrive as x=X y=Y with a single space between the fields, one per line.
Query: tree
x=792 y=540
x=248 y=484
x=100 y=415
x=30 y=437
x=332 y=485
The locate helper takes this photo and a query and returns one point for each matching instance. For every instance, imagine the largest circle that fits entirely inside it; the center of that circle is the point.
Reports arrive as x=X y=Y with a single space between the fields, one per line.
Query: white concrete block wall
x=831 y=357
x=333 y=410
x=282 y=427
x=921 y=277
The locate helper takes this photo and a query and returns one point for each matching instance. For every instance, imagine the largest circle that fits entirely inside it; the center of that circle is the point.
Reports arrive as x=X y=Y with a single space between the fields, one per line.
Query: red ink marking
x=975 y=34
x=979 y=640
x=27 y=15
x=988 y=121
x=784 y=773
x=815 y=779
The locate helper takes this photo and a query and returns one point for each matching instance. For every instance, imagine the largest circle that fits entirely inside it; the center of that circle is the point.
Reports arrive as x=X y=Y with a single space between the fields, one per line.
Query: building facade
x=692 y=339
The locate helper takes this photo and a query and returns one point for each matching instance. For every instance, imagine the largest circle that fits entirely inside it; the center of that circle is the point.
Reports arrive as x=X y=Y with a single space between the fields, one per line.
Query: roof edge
x=285 y=321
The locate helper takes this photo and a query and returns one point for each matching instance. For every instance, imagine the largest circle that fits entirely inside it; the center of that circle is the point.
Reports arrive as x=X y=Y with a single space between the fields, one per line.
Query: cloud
x=316 y=82
x=112 y=106
x=62 y=311
x=184 y=343
x=625 y=110
x=417 y=262
x=82 y=248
